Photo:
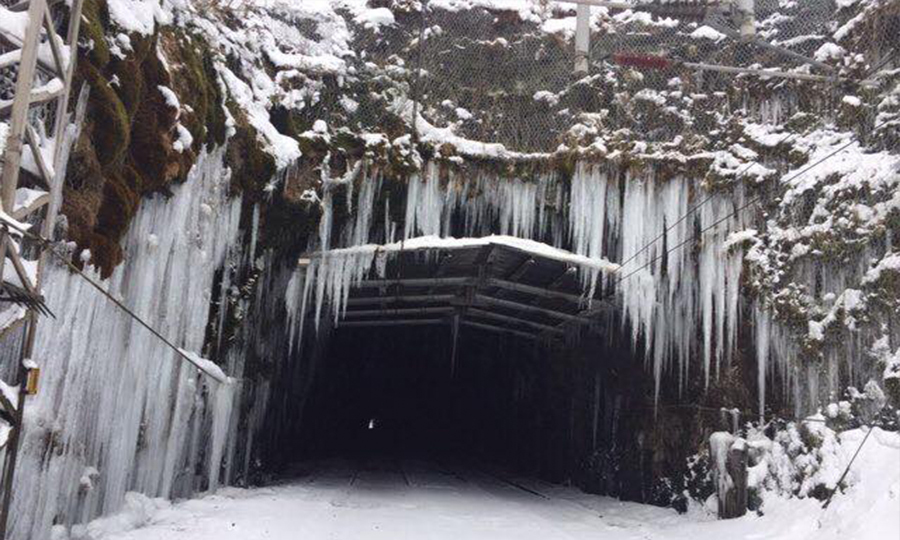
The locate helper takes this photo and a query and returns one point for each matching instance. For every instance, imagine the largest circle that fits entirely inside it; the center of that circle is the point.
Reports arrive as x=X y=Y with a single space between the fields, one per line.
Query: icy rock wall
x=682 y=307
x=117 y=410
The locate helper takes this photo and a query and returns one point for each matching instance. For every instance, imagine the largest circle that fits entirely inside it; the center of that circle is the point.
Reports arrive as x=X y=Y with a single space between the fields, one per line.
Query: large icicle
x=113 y=397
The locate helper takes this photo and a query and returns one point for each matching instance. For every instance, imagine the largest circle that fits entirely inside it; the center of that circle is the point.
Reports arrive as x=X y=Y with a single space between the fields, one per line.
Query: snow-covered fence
x=505 y=75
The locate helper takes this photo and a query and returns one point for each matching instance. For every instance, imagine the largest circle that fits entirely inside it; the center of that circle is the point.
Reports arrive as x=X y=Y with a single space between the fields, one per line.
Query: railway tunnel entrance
x=477 y=355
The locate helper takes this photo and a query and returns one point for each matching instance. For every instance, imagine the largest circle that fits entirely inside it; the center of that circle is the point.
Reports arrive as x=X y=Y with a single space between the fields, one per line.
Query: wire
x=883 y=63
x=739 y=175
x=751 y=202
x=837 y=485
x=65 y=259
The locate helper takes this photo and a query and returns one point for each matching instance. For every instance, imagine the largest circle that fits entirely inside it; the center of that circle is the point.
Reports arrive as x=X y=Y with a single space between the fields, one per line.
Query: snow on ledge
x=435 y=242
x=206 y=366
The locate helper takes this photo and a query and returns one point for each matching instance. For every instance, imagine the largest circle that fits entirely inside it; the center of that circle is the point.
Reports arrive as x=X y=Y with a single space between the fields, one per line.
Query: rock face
x=756 y=220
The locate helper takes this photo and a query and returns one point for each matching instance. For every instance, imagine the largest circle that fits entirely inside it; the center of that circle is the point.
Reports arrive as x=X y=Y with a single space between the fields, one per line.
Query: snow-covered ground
x=411 y=499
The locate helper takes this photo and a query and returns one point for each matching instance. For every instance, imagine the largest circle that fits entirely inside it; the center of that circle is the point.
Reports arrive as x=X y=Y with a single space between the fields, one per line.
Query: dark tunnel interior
x=397 y=392
x=565 y=414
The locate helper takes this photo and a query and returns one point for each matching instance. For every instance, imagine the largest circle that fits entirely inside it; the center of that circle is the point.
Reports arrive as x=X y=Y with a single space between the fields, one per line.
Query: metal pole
x=16 y=433
x=582 y=39
x=12 y=155
x=38 y=15
x=12 y=158
x=600 y=3
x=760 y=72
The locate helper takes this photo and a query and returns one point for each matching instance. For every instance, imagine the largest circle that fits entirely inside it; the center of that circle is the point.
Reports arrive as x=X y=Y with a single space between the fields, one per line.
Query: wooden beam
x=62 y=106
x=392 y=322
x=415 y=282
x=36 y=97
x=55 y=45
x=8 y=43
x=556 y=283
x=10 y=58
x=520 y=270
x=441 y=267
x=515 y=320
x=528 y=307
x=370 y=300
x=397 y=311
x=13 y=254
x=45 y=174
x=23 y=5
x=484 y=254
x=22 y=212
x=18 y=106
x=498 y=329
x=13 y=326
x=534 y=291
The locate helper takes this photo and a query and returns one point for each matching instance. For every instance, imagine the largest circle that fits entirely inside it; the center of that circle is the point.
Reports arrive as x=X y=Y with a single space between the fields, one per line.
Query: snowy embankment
x=415 y=500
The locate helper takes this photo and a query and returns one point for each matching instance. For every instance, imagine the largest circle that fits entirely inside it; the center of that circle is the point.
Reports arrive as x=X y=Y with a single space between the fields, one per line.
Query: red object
x=642 y=61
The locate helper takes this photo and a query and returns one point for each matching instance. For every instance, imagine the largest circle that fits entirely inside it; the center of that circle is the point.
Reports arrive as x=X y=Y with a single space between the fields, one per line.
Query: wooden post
x=729 y=457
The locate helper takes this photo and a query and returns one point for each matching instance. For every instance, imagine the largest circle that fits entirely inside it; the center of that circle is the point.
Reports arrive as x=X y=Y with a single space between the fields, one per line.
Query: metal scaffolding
x=38 y=132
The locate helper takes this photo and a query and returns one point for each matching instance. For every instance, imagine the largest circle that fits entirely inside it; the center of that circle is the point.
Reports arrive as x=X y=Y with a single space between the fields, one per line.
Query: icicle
x=762 y=356
x=113 y=397
x=223 y=398
x=366 y=204
x=424 y=204
x=254 y=235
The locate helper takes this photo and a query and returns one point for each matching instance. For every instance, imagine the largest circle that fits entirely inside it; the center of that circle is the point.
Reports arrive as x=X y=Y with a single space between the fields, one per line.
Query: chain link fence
x=507 y=76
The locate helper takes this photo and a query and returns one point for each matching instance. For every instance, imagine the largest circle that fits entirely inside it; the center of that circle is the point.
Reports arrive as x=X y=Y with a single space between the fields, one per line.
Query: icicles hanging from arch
x=680 y=294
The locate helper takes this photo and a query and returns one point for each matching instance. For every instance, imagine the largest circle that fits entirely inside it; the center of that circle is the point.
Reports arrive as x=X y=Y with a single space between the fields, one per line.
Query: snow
x=549 y=98
x=5 y=430
x=4 y=130
x=707 y=32
x=740 y=237
x=565 y=27
x=527 y=10
x=11 y=275
x=206 y=366
x=139 y=16
x=46 y=150
x=375 y=18
x=12 y=24
x=14 y=224
x=25 y=197
x=285 y=149
x=439 y=243
x=184 y=140
x=720 y=444
x=398 y=499
x=829 y=51
x=10 y=393
x=11 y=315
x=890 y=263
